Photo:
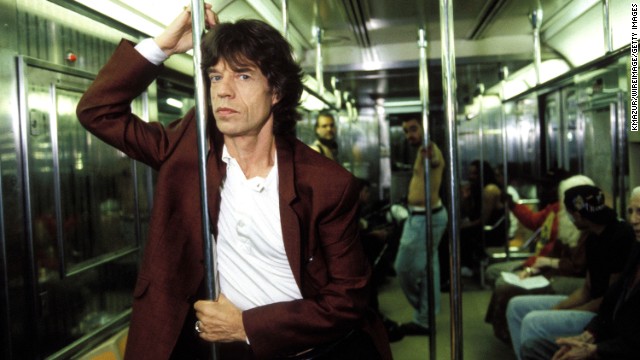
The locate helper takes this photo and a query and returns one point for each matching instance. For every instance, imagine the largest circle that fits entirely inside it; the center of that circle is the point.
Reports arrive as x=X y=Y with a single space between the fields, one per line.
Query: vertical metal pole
x=285 y=19
x=210 y=265
x=606 y=23
x=319 y=69
x=481 y=169
x=424 y=101
x=504 y=72
x=449 y=87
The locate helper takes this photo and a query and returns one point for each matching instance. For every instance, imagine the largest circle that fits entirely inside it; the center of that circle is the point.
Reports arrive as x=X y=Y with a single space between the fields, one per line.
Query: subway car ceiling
x=365 y=52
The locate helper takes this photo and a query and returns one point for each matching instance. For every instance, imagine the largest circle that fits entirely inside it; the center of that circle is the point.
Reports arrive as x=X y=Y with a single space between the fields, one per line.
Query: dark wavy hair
x=261 y=44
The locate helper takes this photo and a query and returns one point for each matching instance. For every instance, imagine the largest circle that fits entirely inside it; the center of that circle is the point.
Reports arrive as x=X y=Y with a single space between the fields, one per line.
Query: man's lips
x=225 y=111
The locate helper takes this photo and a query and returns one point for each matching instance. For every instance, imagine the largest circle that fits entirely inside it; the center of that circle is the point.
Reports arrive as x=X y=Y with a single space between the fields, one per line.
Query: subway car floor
x=478 y=341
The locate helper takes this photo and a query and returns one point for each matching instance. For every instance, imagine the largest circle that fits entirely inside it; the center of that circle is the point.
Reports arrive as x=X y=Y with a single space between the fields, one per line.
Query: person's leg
x=539 y=349
x=519 y=307
x=554 y=323
x=410 y=264
x=439 y=225
x=494 y=271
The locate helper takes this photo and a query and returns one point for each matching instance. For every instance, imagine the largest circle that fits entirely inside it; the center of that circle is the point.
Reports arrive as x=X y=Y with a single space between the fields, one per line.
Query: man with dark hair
x=292 y=274
x=607 y=245
x=325 y=130
x=411 y=261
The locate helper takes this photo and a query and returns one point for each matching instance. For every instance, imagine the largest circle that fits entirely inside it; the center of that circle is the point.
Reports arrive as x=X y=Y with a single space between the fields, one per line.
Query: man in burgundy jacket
x=293 y=275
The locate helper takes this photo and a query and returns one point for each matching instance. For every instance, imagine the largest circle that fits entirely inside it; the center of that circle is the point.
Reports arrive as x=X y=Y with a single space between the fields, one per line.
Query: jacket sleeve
x=105 y=108
x=530 y=219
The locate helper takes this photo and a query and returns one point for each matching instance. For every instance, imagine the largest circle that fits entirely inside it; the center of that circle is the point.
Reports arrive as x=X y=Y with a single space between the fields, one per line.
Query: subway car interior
x=528 y=86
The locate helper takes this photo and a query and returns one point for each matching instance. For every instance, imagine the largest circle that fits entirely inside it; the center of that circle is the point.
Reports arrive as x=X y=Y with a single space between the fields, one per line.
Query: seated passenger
x=545 y=222
x=613 y=333
x=563 y=260
x=513 y=194
x=608 y=244
x=485 y=208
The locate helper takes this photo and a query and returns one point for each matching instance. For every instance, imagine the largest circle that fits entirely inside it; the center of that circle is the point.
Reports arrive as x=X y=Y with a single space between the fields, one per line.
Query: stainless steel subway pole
x=284 y=4
x=449 y=87
x=504 y=72
x=606 y=24
x=424 y=101
x=210 y=265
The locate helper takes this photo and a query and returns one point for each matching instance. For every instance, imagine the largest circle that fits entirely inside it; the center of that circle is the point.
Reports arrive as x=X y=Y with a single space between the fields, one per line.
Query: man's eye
x=244 y=76
x=215 y=78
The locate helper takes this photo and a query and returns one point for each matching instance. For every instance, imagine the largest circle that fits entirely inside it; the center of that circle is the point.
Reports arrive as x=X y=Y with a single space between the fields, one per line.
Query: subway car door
x=82 y=220
x=602 y=138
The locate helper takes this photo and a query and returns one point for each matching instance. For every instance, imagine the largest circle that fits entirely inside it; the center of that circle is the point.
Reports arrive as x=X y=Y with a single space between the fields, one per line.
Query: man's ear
x=275 y=97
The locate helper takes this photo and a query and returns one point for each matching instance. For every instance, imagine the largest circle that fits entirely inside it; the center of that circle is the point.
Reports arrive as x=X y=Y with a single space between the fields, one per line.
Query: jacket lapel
x=290 y=207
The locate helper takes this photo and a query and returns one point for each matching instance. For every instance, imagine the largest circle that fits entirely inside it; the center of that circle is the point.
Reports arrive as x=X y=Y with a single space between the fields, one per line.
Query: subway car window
x=518 y=117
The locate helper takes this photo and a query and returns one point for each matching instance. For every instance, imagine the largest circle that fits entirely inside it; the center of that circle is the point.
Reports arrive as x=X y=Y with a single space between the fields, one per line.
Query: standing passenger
x=325 y=130
x=293 y=277
x=411 y=261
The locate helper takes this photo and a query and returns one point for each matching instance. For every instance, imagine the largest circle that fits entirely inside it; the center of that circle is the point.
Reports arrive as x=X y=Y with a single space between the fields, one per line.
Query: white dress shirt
x=252 y=262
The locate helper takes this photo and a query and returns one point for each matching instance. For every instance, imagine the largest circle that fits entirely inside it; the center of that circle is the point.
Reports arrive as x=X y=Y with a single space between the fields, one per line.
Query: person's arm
x=490 y=199
x=623 y=346
x=530 y=219
x=434 y=155
x=571 y=349
x=572 y=260
x=590 y=304
x=105 y=108
x=177 y=38
x=580 y=299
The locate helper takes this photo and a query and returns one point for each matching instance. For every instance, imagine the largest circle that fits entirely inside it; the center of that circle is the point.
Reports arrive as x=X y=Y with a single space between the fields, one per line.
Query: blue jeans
x=531 y=316
x=411 y=263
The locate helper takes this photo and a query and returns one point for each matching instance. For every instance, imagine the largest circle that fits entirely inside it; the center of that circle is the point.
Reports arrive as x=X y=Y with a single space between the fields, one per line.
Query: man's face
x=577 y=220
x=633 y=211
x=241 y=98
x=326 y=128
x=412 y=132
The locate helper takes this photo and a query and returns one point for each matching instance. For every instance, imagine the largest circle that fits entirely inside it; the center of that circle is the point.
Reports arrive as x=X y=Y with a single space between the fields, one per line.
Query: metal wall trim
x=567 y=78
x=57 y=196
x=41 y=64
x=99 y=17
x=92 y=339
x=97 y=261
x=5 y=325
x=31 y=282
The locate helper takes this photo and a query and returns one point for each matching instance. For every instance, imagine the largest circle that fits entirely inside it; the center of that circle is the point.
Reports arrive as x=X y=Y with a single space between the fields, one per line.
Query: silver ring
x=198 y=330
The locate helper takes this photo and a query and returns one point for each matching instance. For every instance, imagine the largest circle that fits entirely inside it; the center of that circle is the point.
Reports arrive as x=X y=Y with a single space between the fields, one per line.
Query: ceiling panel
x=370 y=46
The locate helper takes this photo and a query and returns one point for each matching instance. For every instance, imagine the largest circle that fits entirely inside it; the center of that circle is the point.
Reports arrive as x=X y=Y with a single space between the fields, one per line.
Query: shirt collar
x=256 y=183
